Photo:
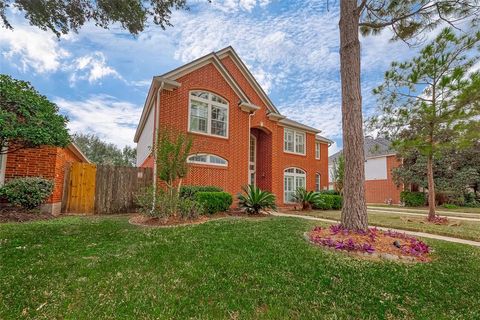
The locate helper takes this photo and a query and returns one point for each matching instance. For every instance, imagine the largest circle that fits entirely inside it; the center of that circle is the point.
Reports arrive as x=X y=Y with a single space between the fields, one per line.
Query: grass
x=466 y=229
x=439 y=208
x=104 y=268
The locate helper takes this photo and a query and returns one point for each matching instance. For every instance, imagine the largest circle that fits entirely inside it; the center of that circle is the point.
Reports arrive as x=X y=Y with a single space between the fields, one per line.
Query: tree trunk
x=431 y=188
x=354 y=213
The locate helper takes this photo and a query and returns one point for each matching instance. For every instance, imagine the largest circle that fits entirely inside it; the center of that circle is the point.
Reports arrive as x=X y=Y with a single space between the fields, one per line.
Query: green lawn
x=439 y=208
x=465 y=230
x=99 y=268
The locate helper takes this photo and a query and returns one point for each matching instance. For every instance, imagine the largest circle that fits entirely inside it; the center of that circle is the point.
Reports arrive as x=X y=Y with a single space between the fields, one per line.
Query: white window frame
x=294 y=133
x=208 y=162
x=317 y=150
x=297 y=174
x=3 y=167
x=318 y=180
x=210 y=103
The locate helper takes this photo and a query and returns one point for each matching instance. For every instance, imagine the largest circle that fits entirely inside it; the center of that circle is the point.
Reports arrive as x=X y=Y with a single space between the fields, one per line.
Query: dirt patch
x=373 y=243
x=14 y=214
x=142 y=220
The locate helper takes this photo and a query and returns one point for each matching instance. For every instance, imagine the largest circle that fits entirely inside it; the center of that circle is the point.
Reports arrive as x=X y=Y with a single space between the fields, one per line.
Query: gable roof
x=248 y=75
x=372 y=148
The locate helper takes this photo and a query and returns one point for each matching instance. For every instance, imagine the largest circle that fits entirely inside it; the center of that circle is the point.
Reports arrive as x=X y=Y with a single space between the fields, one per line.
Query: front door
x=252 y=161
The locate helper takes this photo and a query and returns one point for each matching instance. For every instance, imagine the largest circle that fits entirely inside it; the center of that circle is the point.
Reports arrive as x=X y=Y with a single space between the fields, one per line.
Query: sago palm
x=306 y=198
x=253 y=200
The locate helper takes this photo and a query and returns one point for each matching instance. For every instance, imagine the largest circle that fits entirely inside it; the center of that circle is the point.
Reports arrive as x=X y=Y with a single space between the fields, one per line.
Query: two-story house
x=239 y=135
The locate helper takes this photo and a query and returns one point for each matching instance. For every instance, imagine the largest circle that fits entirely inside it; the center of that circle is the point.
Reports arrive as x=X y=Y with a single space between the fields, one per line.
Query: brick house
x=240 y=137
x=46 y=162
x=380 y=160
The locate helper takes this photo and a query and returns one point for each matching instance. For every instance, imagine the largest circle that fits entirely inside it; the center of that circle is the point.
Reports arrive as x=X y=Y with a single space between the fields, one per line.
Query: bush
x=190 y=191
x=165 y=206
x=450 y=206
x=214 y=202
x=190 y=209
x=412 y=199
x=28 y=193
x=330 y=192
x=305 y=198
x=253 y=200
x=337 y=202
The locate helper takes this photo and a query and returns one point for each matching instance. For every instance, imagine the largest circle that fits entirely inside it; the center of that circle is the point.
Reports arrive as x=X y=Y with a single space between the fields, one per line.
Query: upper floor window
x=317 y=150
x=208 y=114
x=294 y=141
x=210 y=159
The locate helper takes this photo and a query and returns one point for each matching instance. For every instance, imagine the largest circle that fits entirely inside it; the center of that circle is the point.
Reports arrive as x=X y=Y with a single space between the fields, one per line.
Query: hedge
x=328 y=202
x=190 y=191
x=214 y=202
x=28 y=193
x=413 y=199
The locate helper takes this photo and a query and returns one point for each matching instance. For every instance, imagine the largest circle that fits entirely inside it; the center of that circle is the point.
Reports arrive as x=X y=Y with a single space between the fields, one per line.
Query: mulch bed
x=14 y=214
x=373 y=243
x=143 y=220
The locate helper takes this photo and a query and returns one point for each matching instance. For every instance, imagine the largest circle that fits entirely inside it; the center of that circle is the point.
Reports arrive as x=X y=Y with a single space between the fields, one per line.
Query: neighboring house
x=240 y=137
x=380 y=160
x=46 y=162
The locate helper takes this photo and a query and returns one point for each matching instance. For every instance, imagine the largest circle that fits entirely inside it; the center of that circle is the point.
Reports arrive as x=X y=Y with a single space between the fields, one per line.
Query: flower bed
x=389 y=244
x=438 y=220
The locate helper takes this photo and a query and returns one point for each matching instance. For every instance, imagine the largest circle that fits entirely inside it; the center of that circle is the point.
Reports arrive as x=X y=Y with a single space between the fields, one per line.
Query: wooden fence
x=103 y=189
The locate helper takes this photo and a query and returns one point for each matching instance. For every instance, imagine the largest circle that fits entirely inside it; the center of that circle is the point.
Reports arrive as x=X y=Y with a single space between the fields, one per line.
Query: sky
x=100 y=78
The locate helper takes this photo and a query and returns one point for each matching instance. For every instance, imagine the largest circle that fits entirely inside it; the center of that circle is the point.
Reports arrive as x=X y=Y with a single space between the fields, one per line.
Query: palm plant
x=254 y=200
x=306 y=198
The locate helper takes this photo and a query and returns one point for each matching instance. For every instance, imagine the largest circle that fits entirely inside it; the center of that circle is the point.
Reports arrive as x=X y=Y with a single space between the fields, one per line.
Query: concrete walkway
x=372 y=210
x=440 y=212
x=413 y=233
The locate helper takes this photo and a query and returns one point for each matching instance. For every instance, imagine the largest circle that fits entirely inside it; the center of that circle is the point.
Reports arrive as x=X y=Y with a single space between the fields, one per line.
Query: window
x=210 y=159
x=208 y=114
x=317 y=182
x=294 y=178
x=294 y=141
x=317 y=150
x=3 y=162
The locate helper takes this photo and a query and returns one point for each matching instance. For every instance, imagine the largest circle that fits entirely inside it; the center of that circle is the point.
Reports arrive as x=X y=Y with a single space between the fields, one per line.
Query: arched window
x=294 y=178
x=317 y=181
x=210 y=159
x=208 y=114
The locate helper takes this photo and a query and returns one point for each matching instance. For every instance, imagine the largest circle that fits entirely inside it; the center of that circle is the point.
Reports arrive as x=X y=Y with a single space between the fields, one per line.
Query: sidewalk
x=413 y=233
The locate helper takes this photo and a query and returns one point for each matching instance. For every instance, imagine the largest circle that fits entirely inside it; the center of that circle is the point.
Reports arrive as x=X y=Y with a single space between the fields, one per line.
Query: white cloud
x=112 y=120
x=92 y=67
x=237 y=5
x=32 y=49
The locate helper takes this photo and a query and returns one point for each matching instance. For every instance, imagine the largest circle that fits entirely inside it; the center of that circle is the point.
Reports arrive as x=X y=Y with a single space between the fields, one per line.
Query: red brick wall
x=380 y=191
x=45 y=162
x=271 y=160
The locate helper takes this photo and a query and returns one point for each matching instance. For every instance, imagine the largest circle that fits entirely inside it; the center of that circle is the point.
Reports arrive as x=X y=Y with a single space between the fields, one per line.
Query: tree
x=407 y=20
x=338 y=173
x=419 y=101
x=100 y=152
x=171 y=152
x=27 y=118
x=63 y=16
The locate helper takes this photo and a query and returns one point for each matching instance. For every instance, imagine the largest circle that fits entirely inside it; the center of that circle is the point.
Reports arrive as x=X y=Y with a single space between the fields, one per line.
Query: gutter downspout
x=155 y=141
x=249 y=140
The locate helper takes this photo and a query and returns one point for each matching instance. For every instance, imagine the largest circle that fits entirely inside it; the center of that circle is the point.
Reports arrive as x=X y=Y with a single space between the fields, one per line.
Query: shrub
x=190 y=191
x=324 y=202
x=337 y=202
x=28 y=193
x=413 y=199
x=305 y=198
x=214 y=202
x=165 y=205
x=330 y=192
x=253 y=200
x=450 y=206
x=190 y=209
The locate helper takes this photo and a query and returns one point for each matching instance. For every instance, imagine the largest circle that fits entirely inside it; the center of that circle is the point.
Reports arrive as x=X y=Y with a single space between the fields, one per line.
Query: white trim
x=210 y=104
x=319 y=153
x=3 y=166
x=247 y=75
x=76 y=151
x=295 y=132
x=254 y=160
x=207 y=163
x=293 y=124
x=319 y=182
x=295 y=175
